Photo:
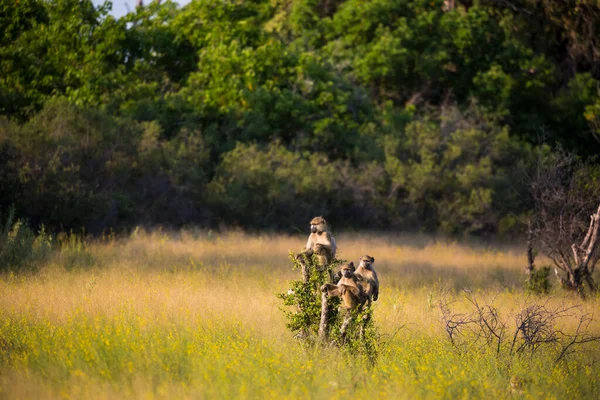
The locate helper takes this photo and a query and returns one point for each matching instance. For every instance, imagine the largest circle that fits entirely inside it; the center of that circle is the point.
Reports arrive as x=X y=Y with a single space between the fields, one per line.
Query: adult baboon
x=319 y=233
x=323 y=253
x=348 y=289
x=320 y=242
x=368 y=278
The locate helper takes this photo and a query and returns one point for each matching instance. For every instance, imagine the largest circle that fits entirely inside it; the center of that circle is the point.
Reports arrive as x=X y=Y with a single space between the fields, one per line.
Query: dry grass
x=412 y=260
x=158 y=284
x=232 y=277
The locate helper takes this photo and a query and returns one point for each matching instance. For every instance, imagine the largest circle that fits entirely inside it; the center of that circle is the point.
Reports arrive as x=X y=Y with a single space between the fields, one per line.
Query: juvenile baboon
x=368 y=278
x=320 y=242
x=348 y=288
x=350 y=291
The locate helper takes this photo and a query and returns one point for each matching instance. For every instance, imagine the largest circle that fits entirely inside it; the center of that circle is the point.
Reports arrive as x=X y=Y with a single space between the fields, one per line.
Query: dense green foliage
x=393 y=113
x=303 y=310
x=538 y=281
x=20 y=248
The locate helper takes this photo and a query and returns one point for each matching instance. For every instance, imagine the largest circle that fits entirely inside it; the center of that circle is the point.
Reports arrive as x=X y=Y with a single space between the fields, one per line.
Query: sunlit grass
x=194 y=315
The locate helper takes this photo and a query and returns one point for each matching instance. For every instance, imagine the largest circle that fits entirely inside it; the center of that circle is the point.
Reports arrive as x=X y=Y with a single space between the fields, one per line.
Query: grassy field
x=194 y=315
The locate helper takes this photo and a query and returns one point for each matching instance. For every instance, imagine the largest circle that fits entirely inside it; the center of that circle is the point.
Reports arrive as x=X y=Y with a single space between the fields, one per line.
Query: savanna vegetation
x=194 y=314
x=477 y=120
x=409 y=115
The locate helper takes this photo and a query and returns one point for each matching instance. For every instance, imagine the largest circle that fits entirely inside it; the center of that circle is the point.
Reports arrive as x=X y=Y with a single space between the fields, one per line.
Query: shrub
x=20 y=248
x=456 y=171
x=538 y=281
x=74 y=252
x=305 y=316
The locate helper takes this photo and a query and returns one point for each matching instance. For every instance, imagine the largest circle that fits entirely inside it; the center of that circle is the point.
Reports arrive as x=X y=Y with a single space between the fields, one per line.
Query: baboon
x=320 y=242
x=348 y=289
x=323 y=253
x=320 y=233
x=368 y=278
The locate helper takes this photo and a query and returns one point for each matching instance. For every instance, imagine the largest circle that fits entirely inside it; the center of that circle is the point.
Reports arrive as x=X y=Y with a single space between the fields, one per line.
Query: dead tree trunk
x=365 y=321
x=530 y=256
x=565 y=192
x=347 y=319
x=304 y=267
x=324 y=316
x=579 y=265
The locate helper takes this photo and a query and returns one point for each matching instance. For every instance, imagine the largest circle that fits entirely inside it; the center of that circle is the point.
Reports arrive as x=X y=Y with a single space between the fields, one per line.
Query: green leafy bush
x=538 y=281
x=303 y=310
x=456 y=171
x=21 y=249
x=411 y=115
x=306 y=298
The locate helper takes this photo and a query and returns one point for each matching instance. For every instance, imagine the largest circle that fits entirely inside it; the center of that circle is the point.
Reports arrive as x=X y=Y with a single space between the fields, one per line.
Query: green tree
x=455 y=171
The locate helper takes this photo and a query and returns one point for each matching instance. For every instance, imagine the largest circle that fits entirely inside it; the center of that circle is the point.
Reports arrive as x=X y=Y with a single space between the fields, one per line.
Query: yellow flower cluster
x=158 y=317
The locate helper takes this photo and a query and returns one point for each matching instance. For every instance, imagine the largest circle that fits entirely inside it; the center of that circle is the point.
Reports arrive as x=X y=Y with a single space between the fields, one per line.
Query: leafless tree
x=481 y=325
x=536 y=326
x=579 y=337
x=490 y=327
x=453 y=323
x=566 y=217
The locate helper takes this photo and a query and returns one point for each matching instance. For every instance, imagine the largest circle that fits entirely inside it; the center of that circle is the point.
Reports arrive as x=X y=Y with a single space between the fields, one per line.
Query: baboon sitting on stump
x=350 y=290
x=368 y=278
x=320 y=242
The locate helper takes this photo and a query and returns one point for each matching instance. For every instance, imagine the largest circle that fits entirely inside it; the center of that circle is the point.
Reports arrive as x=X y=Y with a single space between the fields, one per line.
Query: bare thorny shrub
x=535 y=327
x=566 y=218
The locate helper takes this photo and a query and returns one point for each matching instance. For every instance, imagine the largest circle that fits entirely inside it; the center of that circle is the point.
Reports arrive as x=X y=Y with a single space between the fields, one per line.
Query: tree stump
x=324 y=315
x=304 y=268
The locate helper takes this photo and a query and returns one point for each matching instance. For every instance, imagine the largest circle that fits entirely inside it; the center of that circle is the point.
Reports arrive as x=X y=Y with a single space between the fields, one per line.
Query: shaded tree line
x=415 y=115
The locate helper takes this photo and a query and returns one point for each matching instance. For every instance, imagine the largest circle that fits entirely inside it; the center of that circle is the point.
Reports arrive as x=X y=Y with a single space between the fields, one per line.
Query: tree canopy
x=400 y=114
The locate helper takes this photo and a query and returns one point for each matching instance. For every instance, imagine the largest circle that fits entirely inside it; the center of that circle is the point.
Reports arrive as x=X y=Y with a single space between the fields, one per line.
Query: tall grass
x=194 y=315
x=21 y=248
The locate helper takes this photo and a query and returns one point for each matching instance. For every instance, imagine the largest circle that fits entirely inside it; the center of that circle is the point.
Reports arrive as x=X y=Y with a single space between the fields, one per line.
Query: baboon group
x=356 y=287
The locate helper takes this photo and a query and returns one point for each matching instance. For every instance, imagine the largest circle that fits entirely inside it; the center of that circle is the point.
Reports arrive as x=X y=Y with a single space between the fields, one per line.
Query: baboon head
x=347 y=270
x=318 y=224
x=366 y=261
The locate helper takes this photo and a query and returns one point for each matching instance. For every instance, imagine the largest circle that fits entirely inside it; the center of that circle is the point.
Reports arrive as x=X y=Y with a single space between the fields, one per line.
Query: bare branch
x=593 y=239
x=565 y=192
x=589 y=233
x=579 y=337
x=536 y=326
x=565 y=263
x=575 y=255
